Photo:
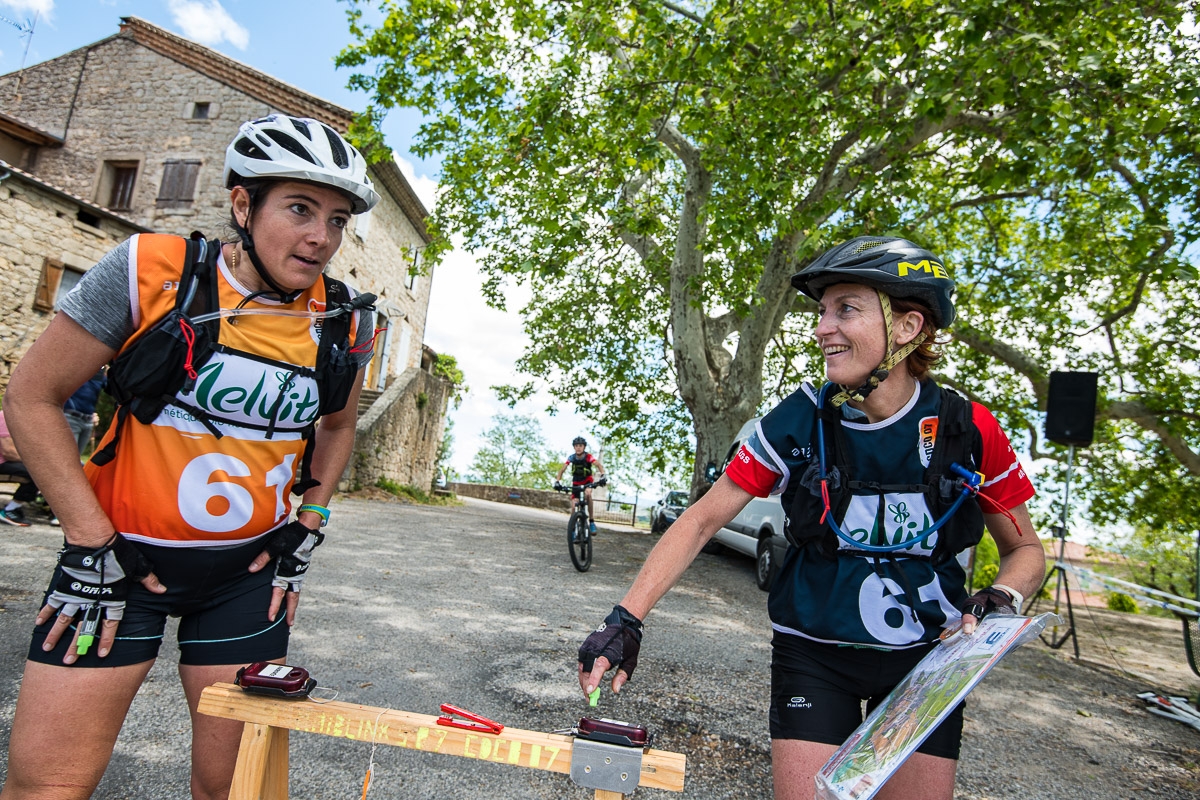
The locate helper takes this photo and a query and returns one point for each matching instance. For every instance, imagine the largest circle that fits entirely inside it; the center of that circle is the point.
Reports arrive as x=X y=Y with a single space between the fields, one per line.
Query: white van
x=757 y=530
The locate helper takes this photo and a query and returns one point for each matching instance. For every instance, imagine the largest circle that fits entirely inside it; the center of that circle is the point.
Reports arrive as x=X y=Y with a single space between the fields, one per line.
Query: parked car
x=667 y=510
x=757 y=530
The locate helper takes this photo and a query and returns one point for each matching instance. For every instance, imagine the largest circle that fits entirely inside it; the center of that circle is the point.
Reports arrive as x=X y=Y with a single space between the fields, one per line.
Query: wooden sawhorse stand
x=262 y=764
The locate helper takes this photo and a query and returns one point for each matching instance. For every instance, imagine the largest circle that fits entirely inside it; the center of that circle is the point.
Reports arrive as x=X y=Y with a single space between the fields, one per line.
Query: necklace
x=233 y=271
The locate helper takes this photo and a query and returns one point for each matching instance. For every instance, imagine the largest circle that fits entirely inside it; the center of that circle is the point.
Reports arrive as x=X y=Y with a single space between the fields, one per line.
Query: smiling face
x=851 y=332
x=297 y=227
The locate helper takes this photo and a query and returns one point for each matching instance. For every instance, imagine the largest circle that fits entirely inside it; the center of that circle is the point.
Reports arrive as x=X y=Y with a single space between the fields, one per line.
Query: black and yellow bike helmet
x=893 y=267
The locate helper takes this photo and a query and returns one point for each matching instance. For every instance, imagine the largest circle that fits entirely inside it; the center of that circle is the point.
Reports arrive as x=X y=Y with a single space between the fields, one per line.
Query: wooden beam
x=262 y=765
x=545 y=751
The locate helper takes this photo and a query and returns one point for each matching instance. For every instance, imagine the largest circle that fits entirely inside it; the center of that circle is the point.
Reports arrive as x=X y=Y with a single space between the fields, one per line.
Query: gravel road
x=478 y=605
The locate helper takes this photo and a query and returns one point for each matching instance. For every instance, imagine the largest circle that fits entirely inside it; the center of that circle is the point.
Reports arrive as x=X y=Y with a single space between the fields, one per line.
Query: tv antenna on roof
x=26 y=29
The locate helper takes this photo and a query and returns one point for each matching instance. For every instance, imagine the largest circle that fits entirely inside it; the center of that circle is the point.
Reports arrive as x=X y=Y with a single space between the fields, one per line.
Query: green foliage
x=1118 y=601
x=985 y=575
x=659 y=171
x=442 y=466
x=446 y=366
x=413 y=494
x=987 y=563
x=1163 y=559
x=515 y=454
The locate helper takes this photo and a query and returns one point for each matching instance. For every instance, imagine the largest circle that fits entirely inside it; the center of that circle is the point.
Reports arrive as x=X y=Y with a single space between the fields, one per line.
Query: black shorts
x=222 y=609
x=817 y=691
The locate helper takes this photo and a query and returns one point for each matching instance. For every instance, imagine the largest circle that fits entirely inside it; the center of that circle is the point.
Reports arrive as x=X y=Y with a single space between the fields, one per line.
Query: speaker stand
x=1061 y=582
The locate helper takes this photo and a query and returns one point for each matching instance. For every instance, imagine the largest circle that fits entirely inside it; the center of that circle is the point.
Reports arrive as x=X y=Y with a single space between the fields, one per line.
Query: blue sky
x=296 y=41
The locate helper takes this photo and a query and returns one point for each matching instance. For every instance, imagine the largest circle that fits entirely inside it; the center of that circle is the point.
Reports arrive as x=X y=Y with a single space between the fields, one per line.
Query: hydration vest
x=581 y=469
x=958 y=441
x=160 y=368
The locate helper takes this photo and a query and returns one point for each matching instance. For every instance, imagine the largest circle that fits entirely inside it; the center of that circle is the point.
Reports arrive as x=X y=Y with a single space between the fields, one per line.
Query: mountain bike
x=579 y=532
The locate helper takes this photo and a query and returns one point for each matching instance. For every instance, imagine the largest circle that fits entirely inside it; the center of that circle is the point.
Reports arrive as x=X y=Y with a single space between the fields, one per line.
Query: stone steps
x=366 y=399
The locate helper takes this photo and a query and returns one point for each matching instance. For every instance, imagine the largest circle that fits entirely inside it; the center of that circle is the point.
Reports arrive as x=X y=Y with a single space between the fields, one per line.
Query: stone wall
x=399 y=436
x=534 y=498
x=36 y=224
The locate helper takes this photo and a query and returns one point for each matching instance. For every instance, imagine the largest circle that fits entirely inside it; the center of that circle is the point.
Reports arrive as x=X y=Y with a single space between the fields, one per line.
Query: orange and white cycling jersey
x=174 y=482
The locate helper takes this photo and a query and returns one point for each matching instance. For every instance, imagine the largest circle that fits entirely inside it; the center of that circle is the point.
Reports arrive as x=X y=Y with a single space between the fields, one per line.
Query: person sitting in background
x=11 y=465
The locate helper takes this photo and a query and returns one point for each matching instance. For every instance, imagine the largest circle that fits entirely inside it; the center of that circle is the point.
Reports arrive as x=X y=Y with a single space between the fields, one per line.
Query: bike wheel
x=579 y=541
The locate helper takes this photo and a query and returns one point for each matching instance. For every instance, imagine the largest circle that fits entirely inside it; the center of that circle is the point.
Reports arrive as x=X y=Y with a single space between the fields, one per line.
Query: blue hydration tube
x=971 y=482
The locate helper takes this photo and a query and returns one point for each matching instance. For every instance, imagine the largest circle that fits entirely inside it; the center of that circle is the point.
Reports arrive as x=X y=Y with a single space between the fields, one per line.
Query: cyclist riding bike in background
x=586 y=469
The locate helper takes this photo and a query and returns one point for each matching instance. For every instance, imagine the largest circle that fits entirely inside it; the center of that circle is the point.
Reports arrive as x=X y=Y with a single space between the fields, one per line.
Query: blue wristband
x=316 y=509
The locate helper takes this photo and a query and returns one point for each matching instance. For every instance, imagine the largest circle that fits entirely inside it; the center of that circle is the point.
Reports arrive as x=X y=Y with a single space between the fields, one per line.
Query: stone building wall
x=534 y=498
x=36 y=223
x=41 y=94
x=398 y=437
x=120 y=101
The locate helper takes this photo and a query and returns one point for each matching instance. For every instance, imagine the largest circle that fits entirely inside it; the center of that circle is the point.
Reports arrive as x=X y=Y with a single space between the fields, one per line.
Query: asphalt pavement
x=408 y=607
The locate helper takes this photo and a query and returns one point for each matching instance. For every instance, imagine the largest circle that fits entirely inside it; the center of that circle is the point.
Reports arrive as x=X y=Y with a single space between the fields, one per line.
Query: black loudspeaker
x=1071 y=408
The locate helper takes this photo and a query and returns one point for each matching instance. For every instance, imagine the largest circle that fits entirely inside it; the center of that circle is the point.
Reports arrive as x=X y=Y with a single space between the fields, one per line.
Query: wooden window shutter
x=47 y=288
x=178 y=182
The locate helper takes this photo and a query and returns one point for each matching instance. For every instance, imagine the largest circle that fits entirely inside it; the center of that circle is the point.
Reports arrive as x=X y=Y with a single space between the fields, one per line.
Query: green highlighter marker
x=88 y=626
x=594 y=697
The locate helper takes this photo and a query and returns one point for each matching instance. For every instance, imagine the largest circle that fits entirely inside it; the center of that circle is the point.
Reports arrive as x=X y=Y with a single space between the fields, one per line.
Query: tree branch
x=1006 y=354
x=679 y=144
x=683 y=12
x=1137 y=413
x=981 y=200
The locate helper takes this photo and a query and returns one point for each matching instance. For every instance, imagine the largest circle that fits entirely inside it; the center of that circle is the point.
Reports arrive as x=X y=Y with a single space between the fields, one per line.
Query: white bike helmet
x=299 y=149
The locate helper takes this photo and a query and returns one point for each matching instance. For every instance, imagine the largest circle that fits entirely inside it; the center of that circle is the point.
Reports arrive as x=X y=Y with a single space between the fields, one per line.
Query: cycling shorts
x=222 y=610
x=817 y=691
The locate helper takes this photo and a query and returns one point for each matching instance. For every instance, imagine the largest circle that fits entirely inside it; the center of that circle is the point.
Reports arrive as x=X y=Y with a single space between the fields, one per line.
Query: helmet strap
x=284 y=295
x=880 y=373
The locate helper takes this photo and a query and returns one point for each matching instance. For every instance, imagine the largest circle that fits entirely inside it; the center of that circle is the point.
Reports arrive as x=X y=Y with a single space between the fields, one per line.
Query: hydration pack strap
x=334 y=330
x=197 y=289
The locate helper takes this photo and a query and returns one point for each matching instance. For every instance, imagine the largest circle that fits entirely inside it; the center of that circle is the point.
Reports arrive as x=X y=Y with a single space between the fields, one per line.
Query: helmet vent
x=290 y=144
x=869 y=245
x=340 y=156
x=249 y=149
x=301 y=128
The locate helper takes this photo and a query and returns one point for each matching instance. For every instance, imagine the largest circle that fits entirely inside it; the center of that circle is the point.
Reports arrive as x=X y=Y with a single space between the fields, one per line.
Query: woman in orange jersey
x=186 y=510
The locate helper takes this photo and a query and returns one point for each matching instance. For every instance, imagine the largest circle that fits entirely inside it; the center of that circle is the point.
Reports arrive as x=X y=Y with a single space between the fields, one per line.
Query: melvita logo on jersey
x=241 y=390
x=928 y=438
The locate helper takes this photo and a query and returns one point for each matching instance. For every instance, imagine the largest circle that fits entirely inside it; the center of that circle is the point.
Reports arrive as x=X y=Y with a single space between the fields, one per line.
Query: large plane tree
x=655 y=171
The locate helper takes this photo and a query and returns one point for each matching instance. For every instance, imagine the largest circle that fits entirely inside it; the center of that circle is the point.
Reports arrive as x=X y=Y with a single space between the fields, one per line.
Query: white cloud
x=423 y=185
x=25 y=10
x=486 y=342
x=207 y=22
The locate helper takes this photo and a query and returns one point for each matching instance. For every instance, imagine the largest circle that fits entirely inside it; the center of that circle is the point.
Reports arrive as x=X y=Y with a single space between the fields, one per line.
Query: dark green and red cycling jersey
x=581 y=468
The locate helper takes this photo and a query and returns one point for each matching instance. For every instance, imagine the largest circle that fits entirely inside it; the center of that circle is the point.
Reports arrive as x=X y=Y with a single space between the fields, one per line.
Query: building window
x=70 y=278
x=116 y=185
x=56 y=281
x=178 y=186
x=362 y=225
x=200 y=110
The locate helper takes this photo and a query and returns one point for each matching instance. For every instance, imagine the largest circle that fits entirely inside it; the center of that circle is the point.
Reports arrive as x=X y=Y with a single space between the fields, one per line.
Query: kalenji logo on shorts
x=799 y=702
x=929 y=426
